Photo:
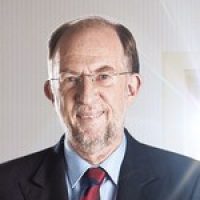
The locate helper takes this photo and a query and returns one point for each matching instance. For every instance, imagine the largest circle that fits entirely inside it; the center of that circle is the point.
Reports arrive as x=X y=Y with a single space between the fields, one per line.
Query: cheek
x=116 y=101
x=66 y=103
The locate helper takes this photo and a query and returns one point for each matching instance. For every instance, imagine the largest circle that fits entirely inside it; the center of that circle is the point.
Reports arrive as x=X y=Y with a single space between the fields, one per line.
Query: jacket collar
x=136 y=171
x=48 y=182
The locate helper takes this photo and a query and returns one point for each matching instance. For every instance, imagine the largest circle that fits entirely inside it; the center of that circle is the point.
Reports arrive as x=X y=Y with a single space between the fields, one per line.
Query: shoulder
x=23 y=166
x=165 y=174
x=29 y=164
x=162 y=161
x=171 y=162
x=20 y=174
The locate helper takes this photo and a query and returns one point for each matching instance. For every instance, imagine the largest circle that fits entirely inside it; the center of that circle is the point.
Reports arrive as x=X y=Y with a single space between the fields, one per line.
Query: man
x=93 y=78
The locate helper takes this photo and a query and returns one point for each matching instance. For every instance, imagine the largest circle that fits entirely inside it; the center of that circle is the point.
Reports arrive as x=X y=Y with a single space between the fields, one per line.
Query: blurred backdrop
x=166 y=113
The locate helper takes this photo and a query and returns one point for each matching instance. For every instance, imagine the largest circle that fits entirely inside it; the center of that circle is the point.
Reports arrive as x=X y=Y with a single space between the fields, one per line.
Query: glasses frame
x=95 y=75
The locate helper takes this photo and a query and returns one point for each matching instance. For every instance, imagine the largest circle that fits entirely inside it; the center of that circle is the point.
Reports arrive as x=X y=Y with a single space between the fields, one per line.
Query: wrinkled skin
x=93 y=115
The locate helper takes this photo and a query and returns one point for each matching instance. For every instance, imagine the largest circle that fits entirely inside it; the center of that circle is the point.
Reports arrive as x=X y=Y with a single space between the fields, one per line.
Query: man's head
x=93 y=77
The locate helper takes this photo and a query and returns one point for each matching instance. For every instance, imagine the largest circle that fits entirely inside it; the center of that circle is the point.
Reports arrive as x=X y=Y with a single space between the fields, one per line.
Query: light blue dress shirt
x=77 y=166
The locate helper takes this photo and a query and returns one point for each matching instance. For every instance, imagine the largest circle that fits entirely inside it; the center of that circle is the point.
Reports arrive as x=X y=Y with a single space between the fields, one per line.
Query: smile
x=89 y=115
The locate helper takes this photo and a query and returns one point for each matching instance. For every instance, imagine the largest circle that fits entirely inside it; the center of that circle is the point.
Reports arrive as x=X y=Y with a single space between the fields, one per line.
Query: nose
x=87 y=91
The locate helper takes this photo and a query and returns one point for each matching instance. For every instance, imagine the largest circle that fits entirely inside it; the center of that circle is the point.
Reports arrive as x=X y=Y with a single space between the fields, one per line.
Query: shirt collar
x=77 y=166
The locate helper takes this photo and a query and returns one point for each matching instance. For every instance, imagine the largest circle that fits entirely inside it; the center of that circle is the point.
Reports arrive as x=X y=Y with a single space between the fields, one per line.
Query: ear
x=48 y=91
x=134 y=84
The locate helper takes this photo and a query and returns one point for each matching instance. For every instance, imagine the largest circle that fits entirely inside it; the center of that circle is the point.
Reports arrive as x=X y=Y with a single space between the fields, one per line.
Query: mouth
x=89 y=116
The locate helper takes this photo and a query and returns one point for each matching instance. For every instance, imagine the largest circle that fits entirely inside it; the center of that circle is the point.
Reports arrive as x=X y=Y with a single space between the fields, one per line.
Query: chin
x=90 y=133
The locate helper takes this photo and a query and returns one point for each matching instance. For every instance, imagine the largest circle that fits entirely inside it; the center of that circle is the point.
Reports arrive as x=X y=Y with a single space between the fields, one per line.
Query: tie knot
x=95 y=175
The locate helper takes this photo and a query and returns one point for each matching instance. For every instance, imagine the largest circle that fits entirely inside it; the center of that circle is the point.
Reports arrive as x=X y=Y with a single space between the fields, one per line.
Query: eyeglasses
x=101 y=79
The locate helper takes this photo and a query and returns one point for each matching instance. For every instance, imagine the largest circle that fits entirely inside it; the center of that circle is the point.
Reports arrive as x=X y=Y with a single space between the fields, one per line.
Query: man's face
x=92 y=112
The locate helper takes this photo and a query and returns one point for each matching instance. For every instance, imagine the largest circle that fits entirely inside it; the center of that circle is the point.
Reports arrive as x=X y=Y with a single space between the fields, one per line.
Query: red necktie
x=95 y=177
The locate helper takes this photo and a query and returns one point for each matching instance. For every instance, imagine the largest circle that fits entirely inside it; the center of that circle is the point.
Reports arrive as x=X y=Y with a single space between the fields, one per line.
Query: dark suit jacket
x=147 y=173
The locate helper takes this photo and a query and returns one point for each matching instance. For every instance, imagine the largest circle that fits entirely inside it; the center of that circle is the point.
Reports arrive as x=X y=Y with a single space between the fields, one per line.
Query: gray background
x=167 y=33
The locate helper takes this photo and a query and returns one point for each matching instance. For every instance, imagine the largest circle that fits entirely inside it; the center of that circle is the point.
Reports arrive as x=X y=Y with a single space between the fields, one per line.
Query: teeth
x=88 y=117
x=83 y=116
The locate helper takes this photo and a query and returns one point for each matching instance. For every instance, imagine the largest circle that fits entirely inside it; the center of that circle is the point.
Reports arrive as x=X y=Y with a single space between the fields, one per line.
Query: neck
x=98 y=156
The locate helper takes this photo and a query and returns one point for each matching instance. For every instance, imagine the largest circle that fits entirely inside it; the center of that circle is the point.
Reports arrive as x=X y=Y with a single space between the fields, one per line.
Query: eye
x=104 y=76
x=70 y=79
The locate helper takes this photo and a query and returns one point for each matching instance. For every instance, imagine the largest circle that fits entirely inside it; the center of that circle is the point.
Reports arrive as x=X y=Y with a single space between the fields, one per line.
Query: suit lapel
x=48 y=183
x=136 y=172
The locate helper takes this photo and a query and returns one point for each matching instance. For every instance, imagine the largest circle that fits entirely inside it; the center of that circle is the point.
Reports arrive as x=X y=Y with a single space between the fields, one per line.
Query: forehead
x=91 y=46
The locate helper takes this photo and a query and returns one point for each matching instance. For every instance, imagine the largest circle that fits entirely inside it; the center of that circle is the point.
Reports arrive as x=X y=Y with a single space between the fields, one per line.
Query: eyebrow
x=70 y=71
x=103 y=68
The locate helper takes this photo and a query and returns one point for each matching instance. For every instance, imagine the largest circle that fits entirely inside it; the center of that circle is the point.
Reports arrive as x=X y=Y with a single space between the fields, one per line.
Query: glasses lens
x=104 y=79
x=101 y=79
x=69 y=80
